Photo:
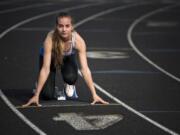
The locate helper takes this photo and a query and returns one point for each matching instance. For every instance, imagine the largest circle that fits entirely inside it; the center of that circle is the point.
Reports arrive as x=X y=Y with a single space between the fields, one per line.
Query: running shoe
x=59 y=94
x=70 y=91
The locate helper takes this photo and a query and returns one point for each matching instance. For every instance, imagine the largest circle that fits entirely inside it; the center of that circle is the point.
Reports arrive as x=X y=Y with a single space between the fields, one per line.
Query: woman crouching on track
x=60 y=47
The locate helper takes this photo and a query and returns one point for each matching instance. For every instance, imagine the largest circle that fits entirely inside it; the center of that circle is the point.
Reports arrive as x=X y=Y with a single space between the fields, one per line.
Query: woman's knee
x=70 y=78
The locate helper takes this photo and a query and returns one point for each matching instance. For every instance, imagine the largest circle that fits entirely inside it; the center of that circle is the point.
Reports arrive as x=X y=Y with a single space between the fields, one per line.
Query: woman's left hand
x=96 y=99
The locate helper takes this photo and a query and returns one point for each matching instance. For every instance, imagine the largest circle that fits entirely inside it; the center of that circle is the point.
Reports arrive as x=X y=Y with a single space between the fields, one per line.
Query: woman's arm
x=86 y=73
x=44 y=72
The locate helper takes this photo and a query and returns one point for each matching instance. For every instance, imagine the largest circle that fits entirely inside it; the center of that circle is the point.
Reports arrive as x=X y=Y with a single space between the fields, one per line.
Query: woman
x=60 y=46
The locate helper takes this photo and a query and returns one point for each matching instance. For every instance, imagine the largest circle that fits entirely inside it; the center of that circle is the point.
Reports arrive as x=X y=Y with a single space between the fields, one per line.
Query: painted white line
x=147 y=33
x=159 y=111
x=161 y=24
x=116 y=72
x=129 y=36
x=33 y=29
x=20 y=115
x=81 y=121
x=169 y=1
x=108 y=49
x=49 y=28
x=11 y=106
x=24 y=7
x=107 y=55
x=110 y=95
x=67 y=105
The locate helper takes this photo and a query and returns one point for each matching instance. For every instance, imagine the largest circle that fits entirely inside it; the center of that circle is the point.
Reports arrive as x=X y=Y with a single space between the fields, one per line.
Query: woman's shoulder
x=48 y=40
x=49 y=36
x=50 y=33
x=80 y=43
x=79 y=38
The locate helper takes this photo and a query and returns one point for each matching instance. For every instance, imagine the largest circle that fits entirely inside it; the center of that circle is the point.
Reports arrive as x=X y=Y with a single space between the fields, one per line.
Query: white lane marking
x=80 y=121
x=107 y=55
x=110 y=95
x=20 y=115
x=24 y=7
x=33 y=29
x=164 y=50
x=123 y=72
x=169 y=1
x=67 y=105
x=75 y=120
x=48 y=28
x=147 y=33
x=159 y=111
x=129 y=33
x=131 y=49
x=108 y=49
x=161 y=24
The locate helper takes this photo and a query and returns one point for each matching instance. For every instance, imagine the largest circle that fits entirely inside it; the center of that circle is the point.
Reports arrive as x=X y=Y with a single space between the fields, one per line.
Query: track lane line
x=67 y=105
x=132 y=44
x=20 y=115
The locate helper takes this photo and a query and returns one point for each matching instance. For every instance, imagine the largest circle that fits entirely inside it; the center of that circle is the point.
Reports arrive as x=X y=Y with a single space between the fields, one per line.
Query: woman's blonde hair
x=57 y=42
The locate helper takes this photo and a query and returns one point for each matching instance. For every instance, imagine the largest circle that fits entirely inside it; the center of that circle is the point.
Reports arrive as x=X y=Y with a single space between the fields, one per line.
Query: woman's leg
x=69 y=69
x=69 y=72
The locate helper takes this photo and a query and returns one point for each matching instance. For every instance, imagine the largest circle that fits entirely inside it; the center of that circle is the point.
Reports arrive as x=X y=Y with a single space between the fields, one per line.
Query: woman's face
x=64 y=27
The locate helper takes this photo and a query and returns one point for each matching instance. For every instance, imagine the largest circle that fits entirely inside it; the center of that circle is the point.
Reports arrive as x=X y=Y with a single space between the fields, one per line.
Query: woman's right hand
x=33 y=100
